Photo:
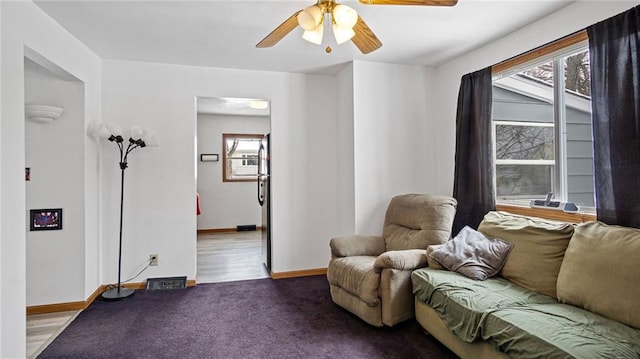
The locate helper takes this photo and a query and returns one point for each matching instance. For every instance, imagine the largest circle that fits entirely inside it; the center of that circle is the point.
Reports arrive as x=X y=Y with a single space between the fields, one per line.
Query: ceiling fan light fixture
x=309 y=19
x=342 y=34
x=314 y=36
x=259 y=104
x=344 y=16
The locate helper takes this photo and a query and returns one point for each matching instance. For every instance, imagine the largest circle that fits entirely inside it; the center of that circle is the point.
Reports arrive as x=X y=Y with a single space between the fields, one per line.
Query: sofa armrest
x=357 y=246
x=408 y=259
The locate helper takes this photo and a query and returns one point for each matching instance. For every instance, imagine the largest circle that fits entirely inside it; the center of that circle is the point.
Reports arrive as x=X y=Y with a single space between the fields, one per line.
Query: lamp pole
x=120 y=293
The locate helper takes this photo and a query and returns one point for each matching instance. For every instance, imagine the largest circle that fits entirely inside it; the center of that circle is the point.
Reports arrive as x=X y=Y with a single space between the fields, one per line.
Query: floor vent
x=167 y=283
x=246 y=228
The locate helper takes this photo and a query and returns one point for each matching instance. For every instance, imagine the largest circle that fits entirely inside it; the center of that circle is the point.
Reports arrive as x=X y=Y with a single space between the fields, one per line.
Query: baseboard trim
x=223 y=230
x=299 y=273
x=65 y=307
x=80 y=305
x=54 y=308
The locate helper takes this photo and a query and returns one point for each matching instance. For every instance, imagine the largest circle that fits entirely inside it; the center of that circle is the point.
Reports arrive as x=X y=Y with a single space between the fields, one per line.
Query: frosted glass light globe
x=310 y=18
x=315 y=36
x=137 y=132
x=345 y=16
x=342 y=34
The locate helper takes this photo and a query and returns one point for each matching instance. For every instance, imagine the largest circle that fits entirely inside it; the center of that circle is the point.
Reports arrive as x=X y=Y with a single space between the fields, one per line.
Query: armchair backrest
x=415 y=221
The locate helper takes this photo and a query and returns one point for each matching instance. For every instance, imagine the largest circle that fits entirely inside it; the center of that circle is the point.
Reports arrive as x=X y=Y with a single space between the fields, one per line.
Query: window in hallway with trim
x=240 y=157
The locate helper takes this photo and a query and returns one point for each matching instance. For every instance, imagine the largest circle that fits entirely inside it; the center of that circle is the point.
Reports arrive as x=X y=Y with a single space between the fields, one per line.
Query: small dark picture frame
x=45 y=219
x=209 y=157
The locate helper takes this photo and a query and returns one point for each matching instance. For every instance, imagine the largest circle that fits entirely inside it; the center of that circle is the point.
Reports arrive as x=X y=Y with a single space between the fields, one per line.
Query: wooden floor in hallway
x=225 y=257
x=42 y=329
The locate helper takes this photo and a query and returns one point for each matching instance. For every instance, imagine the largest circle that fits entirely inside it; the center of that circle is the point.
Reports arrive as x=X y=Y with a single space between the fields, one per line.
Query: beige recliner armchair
x=370 y=276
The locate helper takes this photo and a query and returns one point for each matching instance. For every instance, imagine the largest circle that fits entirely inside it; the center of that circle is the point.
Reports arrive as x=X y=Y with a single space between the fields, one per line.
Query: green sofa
x=565 y=291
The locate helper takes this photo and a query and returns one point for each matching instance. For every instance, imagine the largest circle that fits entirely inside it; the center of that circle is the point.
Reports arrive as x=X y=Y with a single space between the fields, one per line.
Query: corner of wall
x=346 y=181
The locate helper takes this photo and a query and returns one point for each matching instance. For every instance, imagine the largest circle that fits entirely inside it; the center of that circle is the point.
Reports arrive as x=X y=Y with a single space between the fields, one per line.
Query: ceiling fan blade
x=411 y=2
x=279 y=32
x=364 y=39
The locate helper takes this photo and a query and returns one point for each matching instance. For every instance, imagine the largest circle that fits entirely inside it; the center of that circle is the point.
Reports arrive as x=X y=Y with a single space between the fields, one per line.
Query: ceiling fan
x=345 y=21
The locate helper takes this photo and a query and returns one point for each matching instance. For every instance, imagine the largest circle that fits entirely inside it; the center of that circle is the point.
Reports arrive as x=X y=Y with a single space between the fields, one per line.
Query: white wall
x=161 y=183
x=572 y=18
x=2 y=309
x=345 y=158
x=394 y=137
x=24 y=24
x=55 y=157
x=226 y=204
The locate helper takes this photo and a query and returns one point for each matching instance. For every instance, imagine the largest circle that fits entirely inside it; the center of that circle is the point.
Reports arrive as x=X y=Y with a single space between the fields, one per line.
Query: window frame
x=227 y=175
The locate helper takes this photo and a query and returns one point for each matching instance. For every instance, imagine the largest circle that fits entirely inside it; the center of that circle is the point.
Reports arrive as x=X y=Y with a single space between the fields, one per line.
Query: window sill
x=551 y=214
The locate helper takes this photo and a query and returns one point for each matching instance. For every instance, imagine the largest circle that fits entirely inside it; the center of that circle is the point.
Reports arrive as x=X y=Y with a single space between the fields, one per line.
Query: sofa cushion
x=472 y=254
x=463 y=302
x=539 y=246
x=414 y=221
x=356 y=276
x=601 y=272
x=558 y=331
x=433 y=264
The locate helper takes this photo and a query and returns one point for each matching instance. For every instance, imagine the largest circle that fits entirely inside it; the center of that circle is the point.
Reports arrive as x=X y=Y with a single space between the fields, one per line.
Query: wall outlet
x=153 y=259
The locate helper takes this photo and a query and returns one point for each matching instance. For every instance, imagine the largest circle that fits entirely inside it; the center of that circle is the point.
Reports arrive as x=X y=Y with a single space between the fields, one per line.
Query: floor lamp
x=135 y=141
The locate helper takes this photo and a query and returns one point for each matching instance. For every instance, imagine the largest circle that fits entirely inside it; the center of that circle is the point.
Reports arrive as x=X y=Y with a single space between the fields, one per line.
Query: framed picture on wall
x=45 y=219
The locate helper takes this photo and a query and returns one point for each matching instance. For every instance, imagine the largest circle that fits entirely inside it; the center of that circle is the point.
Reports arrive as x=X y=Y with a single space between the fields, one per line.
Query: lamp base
x=114 y=294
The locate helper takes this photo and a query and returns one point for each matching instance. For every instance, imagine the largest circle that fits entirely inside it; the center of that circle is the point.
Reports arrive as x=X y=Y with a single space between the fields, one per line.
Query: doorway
x=54 y=196
x=229 y=220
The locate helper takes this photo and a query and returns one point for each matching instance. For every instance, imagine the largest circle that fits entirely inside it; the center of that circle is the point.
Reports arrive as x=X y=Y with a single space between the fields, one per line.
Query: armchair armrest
x=408 y=259
x=357 y=245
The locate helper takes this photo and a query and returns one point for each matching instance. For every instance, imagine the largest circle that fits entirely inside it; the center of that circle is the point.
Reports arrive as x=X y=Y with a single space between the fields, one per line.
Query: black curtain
x=473 y=176
x=615 y=100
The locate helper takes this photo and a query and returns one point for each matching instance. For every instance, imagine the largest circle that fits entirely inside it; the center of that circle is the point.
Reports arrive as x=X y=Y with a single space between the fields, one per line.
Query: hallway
x=226 y=257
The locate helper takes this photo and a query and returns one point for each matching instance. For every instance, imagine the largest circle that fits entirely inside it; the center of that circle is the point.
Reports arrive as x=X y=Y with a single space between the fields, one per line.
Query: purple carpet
x=286 y=318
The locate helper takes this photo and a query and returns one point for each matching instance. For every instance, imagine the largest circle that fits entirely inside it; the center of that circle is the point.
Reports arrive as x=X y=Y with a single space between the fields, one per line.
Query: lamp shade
x=103 y=132
x=310 y=18
x=137 y=132
x=151 y=140
x=98 y=130
x=345 y=16
x=314 y=36
x=342 y=34
x=115 y=130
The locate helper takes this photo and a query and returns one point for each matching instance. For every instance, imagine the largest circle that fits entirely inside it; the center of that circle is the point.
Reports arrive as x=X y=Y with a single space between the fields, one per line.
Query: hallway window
x=240 y=157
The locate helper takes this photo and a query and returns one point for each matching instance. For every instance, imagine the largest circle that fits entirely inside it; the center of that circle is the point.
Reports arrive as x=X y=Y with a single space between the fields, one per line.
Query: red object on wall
x=198 y=212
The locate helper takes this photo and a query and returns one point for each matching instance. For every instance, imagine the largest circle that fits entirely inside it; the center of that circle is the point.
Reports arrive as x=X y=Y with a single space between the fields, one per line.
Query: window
x=249 y=160
x=524 y=159
x=542 y=130
x=240 y=157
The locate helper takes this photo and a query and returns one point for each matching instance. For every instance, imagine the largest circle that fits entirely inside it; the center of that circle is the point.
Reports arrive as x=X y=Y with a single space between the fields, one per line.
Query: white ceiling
x=218 y=33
